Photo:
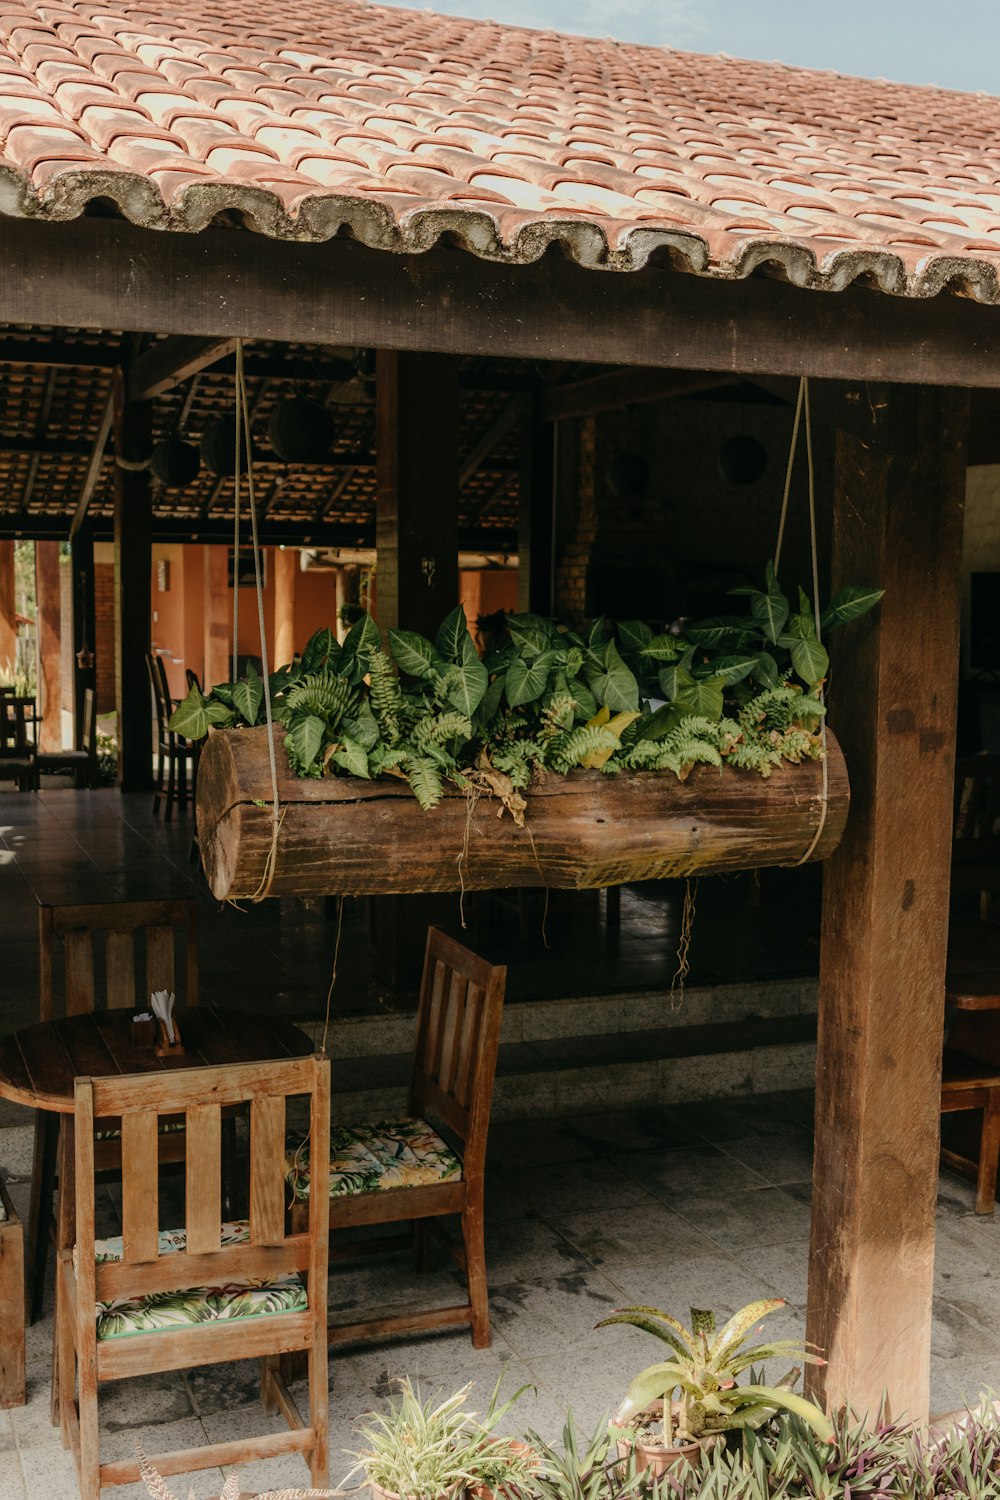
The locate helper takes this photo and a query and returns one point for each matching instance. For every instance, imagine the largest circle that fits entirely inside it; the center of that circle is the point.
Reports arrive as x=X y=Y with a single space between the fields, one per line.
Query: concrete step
x=601 y=1053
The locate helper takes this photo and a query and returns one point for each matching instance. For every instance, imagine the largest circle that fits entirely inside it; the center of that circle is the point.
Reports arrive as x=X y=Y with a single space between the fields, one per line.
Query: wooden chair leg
x=473 y=1235
x=989 y=1155
x=171 y=786
x=421 y=1246
x=43 y=1184
x=319 y=1415
x=64 y=1365
x=269 y=1366
x=11 y=1306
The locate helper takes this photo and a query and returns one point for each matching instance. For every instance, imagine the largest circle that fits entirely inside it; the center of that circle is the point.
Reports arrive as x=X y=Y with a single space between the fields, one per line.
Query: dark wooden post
x=900 y=481
x=536 y=498
x=84 y=624
x=8 y=611
x=416 y=539
x=133 y=583
x=416 y=478
x=48 y=589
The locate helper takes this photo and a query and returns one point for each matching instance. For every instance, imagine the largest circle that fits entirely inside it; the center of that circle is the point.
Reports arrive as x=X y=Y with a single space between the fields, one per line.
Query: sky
x=955 y=46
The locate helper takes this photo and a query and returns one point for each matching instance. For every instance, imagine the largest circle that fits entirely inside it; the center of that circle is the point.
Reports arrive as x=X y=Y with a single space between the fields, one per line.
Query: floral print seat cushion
x=166 y=1311
x=382 y=1155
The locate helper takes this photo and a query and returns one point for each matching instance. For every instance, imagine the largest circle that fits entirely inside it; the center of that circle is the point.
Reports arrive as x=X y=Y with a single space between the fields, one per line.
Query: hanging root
x=684 y=944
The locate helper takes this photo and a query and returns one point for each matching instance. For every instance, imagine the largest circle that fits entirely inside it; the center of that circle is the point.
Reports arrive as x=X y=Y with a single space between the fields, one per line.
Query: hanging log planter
x=344 y=835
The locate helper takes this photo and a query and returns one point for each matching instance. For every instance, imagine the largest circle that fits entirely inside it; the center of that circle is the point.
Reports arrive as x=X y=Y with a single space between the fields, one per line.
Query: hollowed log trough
x=345 y=835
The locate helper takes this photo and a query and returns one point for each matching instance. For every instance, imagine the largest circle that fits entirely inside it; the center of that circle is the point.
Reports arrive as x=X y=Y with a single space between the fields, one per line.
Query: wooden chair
x=975 y=853
x=17 y=753
x=970 y=1077
x=11 y=1303
x=174 y=754
x=82 y=762
x=104 y=946
x=217 y=1268
x=437 y=1155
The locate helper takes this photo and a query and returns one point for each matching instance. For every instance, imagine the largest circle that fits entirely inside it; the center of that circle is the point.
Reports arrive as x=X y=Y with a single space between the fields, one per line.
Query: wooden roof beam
x=494 y=434
x=170 y=361
x=94 y=463
x=584 y=398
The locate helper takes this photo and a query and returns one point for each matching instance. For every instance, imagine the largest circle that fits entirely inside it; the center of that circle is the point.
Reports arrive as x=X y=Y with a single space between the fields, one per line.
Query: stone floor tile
x=523 y=1145
x=763 y=1216
x=547 y=1316
x=718 y=1282
x=46 y=1472
x=573 y=1187
x=615 y=1236
x=779 y=1159
x=690 y=1171
x=784 y=1267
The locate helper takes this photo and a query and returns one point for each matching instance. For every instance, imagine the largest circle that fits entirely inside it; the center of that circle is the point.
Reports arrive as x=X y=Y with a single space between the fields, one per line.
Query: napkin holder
x=164 y=1046
x=143 y=1032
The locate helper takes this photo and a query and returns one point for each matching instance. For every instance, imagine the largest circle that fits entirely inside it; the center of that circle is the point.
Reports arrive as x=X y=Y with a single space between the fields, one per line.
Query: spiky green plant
x=704 y=1368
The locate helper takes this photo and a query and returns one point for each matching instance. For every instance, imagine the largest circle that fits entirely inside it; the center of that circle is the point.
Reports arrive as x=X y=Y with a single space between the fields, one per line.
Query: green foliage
x=704 y=1366
x=736 y=691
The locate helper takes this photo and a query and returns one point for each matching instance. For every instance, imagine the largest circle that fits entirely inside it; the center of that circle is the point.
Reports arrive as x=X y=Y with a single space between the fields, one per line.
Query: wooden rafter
x=172 y=360
x=628 y=387
x=494 y=434
x=94 y=463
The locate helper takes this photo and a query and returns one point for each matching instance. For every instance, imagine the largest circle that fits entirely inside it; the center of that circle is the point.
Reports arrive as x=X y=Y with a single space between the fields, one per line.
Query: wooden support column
x=84 y=624
x=218 y=664
x=535 y=517
x=348 y=585
x=133 y=584
x=48 y=575
x=416 y=529
x=900 y=481
x=286 y=570
x=8 y=613
x=416 y=481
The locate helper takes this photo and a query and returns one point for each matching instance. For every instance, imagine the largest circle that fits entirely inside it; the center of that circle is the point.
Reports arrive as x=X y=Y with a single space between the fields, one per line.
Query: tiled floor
x=702 y=1205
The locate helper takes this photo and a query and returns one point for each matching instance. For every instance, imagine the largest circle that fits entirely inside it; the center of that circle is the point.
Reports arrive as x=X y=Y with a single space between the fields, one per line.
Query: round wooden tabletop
x=39 y=1064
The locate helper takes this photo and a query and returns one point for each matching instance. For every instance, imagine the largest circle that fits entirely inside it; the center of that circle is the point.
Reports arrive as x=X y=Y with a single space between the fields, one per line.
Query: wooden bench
x=11 y=1303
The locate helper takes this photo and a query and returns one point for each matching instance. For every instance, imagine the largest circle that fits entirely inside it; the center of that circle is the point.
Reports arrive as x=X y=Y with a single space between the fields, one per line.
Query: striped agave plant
x=704 y=1367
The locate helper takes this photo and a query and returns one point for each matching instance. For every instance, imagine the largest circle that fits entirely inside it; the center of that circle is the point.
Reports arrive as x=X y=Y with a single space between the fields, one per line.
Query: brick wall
x=104 y=646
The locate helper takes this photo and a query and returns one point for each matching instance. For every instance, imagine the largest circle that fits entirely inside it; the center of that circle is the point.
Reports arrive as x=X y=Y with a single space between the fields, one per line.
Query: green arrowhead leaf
x=722 y=632
x=248 y=695
x=352 y=758
x=218 y=713
x=733 y=668
x=489 y=706
x=851 y=602
x=527 y=681
x=633 y=635
x=321 y=649
x=362 y=728
x=189 y=717
x=770 y=607
x=453 y=632
x=615 y=686
x=801 y=627
x=663 y=648
x=414 y=654
x=303 y=739
x=810 y=661
x=586 y=703
x=466 y=684
x=361 y=640
x=702 y=697
x=532 y=633
x=766 y=670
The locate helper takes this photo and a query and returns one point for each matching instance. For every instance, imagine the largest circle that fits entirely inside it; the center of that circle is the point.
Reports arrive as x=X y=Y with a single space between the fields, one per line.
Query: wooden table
x=39 y=1063
x=38 y=1066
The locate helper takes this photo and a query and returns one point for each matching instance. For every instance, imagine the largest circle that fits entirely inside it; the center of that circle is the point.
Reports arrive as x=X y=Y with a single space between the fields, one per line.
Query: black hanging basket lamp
x=300 y=430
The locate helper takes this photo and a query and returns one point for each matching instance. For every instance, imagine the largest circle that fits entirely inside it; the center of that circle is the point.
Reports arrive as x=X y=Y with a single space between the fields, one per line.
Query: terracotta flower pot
x=650 y=1455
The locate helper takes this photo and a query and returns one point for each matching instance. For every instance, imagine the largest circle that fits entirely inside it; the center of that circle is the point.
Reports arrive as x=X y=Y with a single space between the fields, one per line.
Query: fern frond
x=321 y=693
x=425 y=780
x=384 y=696
x=558 y=716
x=441 y=729
x=569 y=748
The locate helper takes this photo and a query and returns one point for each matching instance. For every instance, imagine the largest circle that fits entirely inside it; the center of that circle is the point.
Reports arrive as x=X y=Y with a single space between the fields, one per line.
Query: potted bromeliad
x=560 y=729
x=677 y=1407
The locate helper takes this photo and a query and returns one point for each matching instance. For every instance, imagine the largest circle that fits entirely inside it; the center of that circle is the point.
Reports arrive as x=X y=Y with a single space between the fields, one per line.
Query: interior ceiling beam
x=170 y=361
x=273 y=533
x=628 y=387
x=494 y=434
x=46 y=354
x=94 y=464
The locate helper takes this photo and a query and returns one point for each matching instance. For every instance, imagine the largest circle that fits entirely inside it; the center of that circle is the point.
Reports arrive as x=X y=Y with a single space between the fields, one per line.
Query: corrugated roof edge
x=623 y=246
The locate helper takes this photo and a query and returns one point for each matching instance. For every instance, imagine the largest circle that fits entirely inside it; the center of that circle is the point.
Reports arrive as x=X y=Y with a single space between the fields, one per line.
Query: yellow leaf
x=620 y=722
x=600 y=718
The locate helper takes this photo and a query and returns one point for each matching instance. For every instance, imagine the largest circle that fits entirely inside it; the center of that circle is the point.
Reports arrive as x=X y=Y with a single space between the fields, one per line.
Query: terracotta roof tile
x=399 y=126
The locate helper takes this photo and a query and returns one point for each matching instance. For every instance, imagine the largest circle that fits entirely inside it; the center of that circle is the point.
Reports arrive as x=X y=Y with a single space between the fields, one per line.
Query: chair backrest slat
x=159 y=959
x=119 y=961
x=267 y=1188
x=203 y=1178
x=79 y=973
x=140 y=1150
x=458 y=1034
x=200 y=1094
x=126 y=930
